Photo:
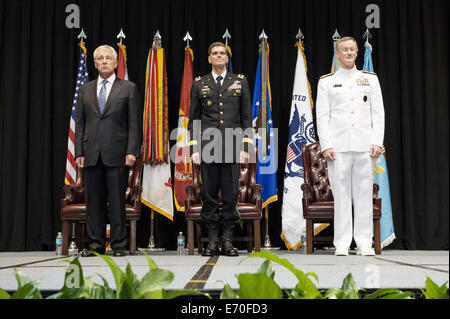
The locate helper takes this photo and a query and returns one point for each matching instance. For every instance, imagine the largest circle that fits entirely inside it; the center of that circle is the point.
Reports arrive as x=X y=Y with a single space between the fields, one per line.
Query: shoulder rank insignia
x=241 y=76
x=326 y=75
x=198 y=78
x=373 y=73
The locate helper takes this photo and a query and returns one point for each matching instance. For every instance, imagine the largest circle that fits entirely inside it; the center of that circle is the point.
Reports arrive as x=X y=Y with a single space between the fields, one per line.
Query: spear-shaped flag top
x=335 y=63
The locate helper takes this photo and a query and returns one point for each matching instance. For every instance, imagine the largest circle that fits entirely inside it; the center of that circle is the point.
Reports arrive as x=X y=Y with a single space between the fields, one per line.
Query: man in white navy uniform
x=350 y=125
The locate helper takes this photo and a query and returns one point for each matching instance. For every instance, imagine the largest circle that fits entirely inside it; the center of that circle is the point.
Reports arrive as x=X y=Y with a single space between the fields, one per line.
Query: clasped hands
x=129 y=160
x=330 y=155
x=243 y=157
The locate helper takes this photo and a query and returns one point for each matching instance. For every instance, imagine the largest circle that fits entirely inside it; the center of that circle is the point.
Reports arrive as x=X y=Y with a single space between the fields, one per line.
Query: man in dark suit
x=220 y=131
x=107 y=143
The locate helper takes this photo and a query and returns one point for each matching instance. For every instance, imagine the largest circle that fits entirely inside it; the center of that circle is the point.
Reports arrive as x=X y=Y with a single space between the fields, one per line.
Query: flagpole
x=73 y=243
x=263 y=37
x=157 y=42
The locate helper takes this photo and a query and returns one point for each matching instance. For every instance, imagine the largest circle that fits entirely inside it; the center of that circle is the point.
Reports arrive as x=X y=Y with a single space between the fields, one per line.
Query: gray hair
x=344 y=39
x=106 y=47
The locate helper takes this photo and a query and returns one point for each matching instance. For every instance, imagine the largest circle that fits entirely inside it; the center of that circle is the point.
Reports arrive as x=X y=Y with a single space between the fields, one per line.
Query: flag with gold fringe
x=156 y=179
x=301 y=132
x=266 y=167
x=122 y=71
x=183 y=168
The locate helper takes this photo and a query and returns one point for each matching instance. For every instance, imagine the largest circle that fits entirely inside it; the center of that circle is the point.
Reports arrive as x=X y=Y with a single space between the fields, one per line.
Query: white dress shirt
x=216 y=75
x=108 y=85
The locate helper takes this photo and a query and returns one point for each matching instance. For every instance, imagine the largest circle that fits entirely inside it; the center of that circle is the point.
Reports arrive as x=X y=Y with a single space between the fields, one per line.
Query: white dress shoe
x=341 y=252
x=366 y=251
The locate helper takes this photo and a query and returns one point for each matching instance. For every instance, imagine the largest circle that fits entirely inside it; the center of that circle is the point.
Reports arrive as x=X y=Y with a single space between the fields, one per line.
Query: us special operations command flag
x=381 y=176
x=156 y=179
x=301 y=132
x=183 y=168
x=266 y=167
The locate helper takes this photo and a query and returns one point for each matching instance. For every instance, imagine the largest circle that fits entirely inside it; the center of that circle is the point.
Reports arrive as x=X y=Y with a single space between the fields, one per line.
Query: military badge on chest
x=236 y=87
x=362 y=82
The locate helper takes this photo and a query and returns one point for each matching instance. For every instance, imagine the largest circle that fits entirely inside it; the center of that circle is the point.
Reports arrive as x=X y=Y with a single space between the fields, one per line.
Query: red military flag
x=183 y=169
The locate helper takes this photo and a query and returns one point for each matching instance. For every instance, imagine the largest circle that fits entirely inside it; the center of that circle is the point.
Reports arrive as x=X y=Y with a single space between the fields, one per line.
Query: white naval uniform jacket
x=349 y=111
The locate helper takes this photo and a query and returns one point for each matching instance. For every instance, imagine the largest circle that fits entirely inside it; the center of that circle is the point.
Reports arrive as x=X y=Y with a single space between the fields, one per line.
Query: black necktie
x=218 y=79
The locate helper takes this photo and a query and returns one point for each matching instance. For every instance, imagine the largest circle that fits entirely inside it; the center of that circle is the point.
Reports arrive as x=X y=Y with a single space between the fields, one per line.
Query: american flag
x=292 y=152
x=82 y=77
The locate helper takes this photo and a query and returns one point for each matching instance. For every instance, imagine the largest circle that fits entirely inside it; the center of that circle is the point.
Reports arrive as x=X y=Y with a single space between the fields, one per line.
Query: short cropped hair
x=106 y=47
x=216 y=44
x=344 y=39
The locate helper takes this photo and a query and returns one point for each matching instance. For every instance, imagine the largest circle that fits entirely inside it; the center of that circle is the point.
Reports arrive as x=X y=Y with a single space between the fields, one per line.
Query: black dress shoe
x=120 y=252
x=228 y=249
x=90 y=253
x=211 y=250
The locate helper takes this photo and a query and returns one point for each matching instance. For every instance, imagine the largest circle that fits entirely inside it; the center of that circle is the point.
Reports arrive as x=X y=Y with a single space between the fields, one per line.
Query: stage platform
x=406 y=270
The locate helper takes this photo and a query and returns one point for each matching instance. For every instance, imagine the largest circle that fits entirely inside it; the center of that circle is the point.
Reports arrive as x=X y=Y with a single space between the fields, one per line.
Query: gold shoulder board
x=198 y=78
x=241 y=76
x=369 y=72
x=326 y=75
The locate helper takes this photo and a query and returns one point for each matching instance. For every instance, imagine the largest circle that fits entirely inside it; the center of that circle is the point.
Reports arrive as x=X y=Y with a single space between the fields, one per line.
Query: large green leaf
x=305 y=286
x=433 y=291
x=228 y=293
x=4 y=294
x=27 y=287
x=350 y=288
x=73 y=281
x=258 y=286
x=266 y=268
x=151 y=263
x=390 y=293
x=118 y=274
x=155 y=279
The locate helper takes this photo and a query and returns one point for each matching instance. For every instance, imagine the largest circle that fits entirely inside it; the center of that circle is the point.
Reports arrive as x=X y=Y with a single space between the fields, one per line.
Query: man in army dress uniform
x=350 y=125
x=220 y=131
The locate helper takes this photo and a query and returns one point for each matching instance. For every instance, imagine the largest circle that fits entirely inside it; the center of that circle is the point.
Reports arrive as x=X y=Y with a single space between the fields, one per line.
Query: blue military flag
x=266 y=173
x=381 y=176
x=230 y=63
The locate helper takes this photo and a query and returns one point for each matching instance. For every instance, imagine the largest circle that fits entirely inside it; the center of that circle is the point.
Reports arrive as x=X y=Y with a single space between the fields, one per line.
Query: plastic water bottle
x=303 y=248
x=59 y=239
x=180 y=243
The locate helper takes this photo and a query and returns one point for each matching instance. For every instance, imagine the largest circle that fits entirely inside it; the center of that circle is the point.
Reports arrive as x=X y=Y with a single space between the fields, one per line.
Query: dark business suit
x=227 y=107
x=104 y=139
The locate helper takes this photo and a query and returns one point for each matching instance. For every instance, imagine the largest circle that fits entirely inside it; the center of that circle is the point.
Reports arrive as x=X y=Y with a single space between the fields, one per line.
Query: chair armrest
x=191 y=195
x=73 y=194
x=254 y=193
x=307 y=192
x=136 y=192
x=376 y=188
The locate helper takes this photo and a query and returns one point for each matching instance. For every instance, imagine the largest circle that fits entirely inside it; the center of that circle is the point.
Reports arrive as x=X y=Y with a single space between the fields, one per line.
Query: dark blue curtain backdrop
x=39 y=55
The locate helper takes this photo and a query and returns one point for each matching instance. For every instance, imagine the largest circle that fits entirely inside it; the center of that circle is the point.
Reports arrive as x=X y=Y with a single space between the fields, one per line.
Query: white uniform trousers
x=350 y=176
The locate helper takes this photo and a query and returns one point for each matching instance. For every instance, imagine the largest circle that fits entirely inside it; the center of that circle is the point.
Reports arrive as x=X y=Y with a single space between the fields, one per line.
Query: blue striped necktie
x=102 y=96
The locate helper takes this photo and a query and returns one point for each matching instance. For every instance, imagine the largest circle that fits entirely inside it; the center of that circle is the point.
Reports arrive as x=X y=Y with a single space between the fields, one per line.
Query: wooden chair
x=318 y=201
x=249 y=206
x=73 y=206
